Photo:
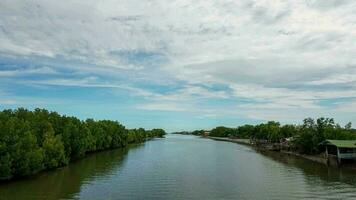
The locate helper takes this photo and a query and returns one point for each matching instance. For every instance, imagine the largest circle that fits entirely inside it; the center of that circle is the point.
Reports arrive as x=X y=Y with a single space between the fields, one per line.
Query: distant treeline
x=32 y=141
x=305 y=138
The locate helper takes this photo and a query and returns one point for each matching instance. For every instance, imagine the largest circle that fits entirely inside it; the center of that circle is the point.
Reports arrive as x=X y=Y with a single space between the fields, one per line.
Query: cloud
x=162 y=107
x=348 y=107
x=91 y=82
x=250 y=58
x=330 y=4
x=27 y=71
x=8 y=99
x=336 y=79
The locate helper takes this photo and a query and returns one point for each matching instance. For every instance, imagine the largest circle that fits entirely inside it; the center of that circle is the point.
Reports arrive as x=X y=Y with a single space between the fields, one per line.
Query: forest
x=306 y=137
x=33 y=141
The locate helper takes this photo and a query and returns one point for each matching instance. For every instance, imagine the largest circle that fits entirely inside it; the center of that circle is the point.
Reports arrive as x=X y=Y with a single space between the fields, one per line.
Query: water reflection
x=313 y=169
x=65 y=183
x=187 y=167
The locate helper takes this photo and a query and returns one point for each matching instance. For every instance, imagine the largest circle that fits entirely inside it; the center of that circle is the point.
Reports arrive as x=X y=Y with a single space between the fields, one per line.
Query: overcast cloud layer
x=181 y=64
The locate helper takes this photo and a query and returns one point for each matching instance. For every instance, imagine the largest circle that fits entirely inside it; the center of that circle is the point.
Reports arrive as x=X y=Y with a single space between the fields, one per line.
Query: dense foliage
x=305 y=138
x=32 y=141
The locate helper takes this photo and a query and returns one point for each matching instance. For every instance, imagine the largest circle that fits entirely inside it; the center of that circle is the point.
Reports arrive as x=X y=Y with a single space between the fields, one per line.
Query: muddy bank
x=238 y=141
x=315 y=158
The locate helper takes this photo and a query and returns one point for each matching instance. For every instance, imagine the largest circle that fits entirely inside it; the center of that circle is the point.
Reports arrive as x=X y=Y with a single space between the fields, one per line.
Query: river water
x=186 y=167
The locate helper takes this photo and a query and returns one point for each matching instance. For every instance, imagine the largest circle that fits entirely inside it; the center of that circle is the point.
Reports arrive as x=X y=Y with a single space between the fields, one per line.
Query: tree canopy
x=32 y=141
x=306 y=137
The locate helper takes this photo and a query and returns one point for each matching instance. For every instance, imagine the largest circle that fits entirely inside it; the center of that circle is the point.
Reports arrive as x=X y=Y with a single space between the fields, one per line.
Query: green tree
x=31 y=141
x=53 y=150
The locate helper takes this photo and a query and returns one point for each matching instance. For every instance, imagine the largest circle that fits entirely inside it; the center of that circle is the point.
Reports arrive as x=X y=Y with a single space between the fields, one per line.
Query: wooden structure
x=338 y=150
x=206 y=133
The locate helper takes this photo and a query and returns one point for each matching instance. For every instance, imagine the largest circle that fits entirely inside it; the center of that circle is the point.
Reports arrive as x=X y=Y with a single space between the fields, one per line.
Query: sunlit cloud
x=249 y=59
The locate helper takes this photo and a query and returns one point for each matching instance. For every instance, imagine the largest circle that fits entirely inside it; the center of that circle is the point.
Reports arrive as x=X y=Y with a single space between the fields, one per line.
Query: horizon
x=180 y=65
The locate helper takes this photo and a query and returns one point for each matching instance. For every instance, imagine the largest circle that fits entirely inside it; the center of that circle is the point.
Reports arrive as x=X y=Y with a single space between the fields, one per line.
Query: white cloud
x=8 y=99
x=336 y=79
x=349 y=107
x=286 y=54
x=162 y=107
x=27 y=71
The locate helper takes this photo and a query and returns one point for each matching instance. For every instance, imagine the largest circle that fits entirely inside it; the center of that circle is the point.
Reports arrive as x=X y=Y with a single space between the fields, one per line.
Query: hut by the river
x=339 y=150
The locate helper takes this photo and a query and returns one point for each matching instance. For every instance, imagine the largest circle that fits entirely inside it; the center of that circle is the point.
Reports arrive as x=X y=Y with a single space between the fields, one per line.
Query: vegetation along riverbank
x=304 y=140
x=33 y=141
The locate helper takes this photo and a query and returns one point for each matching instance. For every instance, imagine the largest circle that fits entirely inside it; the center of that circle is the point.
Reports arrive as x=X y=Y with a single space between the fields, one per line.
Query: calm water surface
x=186 y=167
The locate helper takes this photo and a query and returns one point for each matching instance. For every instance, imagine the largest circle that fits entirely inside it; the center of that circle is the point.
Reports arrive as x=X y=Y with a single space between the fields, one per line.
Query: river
x=186 y=167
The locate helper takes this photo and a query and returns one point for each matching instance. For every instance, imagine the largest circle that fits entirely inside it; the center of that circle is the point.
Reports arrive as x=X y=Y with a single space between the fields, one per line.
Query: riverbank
x=174 y=168
x=314 y=158
x=38 y=140
x=238 y=141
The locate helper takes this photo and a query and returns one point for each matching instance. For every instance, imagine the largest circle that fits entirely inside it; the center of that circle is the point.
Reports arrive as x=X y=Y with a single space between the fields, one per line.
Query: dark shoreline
x=74 y=161
x=313 y=158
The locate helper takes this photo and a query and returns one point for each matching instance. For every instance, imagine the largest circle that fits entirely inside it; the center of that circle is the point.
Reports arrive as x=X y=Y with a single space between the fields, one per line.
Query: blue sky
x=180 y=65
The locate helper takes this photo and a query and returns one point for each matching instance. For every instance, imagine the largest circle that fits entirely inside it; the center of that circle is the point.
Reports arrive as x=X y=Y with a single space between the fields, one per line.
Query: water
x=186 y=167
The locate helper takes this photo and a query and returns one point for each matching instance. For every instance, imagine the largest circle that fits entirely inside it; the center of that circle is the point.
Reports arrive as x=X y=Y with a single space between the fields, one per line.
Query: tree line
x=305 y=138
x=33 y=141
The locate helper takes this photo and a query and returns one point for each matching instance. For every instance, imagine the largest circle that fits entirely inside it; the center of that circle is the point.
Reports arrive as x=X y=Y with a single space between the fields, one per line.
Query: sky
x=181 y=64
